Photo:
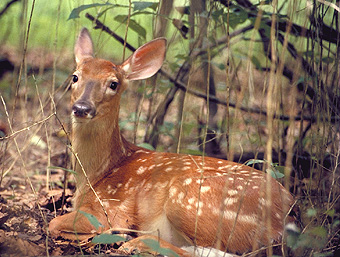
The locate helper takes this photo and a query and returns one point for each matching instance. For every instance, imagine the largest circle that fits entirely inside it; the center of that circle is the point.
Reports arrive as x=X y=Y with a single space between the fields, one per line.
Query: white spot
x=247 y=219
x=148 y=186
x=186 y=168
x=277 y=215
x=209 y=168
x=187 y=163
x=239 y=187
x=151 y=167
x=230 y=201
x=230 y=215
x=161 y=185
x=244 y=171
x=219 y=162
x=235 y=167
x=127 y=184
x=232 y=192
x=172 y=192
x=119 y=185
x=199 y=205
x=113 y=191
x=191 y=200
x=160 y=164
x=141 y=170
x=262 y=201
x=231 y=179
x=131 y=189
x=141 y=151
x=180 y=197
x=224 y=167
x=216 y=211
x=168 y=169
x=105 y=204
x=205 y=189
x=255 y=187
x=187 y=181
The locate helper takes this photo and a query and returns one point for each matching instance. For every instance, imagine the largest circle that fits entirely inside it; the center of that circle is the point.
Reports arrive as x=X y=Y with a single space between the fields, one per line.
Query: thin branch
x=182 y=86
x=7 y=6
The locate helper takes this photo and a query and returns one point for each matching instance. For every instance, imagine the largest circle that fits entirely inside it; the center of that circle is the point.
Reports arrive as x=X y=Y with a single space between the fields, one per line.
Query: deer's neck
x=99 y=147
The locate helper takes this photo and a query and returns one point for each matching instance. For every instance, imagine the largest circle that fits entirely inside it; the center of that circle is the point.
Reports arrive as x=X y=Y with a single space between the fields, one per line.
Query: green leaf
x=256 y=62
x=327 y=60
x=280 y=169
x=275 y=174
x=319 y=231
x=132 y=25
x=330 y=212
x=147 y=146
x=237 y=16
x=139 y=6
x=251 y=162
x=92 y=219
x=311 y=212
x=216 y=14
x=154 y=245
x=107 y=239
x=221 y=66
x=76 y=11
x=61 y=168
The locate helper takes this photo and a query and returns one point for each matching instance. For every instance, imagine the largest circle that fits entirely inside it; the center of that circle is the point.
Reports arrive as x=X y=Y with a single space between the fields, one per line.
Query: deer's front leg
x=75 y=226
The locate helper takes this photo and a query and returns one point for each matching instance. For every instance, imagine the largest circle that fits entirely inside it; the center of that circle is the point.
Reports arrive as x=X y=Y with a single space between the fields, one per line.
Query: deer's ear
x=84 y=46
x=146 y=60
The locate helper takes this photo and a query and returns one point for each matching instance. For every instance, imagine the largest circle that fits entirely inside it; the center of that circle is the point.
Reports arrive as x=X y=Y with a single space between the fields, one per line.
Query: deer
x=180 y=200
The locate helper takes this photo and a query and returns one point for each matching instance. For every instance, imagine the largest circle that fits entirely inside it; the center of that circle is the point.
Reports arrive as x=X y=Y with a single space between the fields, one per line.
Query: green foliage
x=92 y=219
x=154 y=245
x=107 y=239
x=76 y=11
x=132 y=25
x=314 y=238
x=147 y=146
x=275 y=170
x=140 y=6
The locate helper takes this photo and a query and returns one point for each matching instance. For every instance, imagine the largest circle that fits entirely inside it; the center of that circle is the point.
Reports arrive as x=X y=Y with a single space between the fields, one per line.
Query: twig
x=182 y=86
x=28 y=127
x=7 y=6
x=101 y=26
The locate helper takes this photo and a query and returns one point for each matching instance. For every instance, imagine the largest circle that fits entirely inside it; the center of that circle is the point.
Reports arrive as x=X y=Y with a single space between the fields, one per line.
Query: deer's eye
x=114 y=85
x=74 y=78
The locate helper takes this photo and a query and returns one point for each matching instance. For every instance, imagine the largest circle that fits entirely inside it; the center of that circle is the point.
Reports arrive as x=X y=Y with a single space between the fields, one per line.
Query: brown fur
x=187 y=200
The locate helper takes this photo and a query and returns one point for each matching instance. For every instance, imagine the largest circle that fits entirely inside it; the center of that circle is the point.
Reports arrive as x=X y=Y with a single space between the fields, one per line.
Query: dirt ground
x=35 y=141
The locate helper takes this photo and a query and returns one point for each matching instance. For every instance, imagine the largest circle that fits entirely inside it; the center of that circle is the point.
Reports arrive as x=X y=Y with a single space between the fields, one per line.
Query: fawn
x=182 y=200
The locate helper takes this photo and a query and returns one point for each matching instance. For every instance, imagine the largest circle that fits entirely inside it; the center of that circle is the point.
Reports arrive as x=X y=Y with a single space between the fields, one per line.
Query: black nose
x=84 y=110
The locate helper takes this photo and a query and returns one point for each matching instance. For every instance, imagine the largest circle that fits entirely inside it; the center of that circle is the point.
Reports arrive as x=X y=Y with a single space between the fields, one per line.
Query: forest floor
x=33 y=155
x=26 y=204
